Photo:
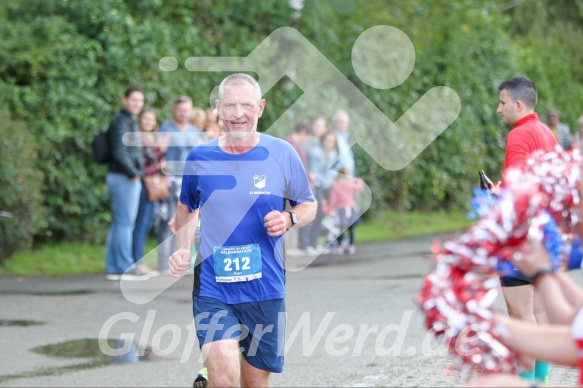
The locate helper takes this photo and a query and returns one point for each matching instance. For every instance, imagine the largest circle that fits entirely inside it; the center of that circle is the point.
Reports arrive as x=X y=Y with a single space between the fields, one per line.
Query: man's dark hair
x=302 y=127
x=129 y=91
x=521 y=88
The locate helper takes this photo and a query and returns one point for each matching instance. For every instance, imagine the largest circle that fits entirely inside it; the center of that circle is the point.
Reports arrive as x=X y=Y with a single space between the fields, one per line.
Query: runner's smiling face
x=240 y=110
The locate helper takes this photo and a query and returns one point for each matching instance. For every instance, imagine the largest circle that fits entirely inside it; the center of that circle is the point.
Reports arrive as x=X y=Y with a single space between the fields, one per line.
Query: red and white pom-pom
x=457 y=295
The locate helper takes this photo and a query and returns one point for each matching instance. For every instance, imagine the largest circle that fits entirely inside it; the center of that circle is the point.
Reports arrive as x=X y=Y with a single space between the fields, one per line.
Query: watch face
x=294 y=217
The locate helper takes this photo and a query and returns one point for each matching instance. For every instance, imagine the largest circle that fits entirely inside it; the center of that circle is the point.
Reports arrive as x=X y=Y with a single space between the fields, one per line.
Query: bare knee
x=223 y=375
x=253 y=377
x=222 y=379
x=222 y=363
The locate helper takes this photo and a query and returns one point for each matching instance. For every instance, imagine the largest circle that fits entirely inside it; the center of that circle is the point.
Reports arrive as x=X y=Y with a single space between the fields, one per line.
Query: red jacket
x=527 y=136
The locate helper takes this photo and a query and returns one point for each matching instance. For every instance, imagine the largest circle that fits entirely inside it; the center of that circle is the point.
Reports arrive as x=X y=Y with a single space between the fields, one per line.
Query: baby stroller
x=336 y=224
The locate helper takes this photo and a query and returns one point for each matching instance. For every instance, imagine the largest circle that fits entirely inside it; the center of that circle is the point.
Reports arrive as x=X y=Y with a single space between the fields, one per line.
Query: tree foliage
x=548 y=36
x=64 y=65
x=20 y=206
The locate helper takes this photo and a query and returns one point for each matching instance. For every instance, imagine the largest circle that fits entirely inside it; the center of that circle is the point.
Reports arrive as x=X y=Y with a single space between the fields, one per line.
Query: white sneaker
x=351 y=249
x=312 y=251
x=294 y=252
x=134 y=275
x=144 y=269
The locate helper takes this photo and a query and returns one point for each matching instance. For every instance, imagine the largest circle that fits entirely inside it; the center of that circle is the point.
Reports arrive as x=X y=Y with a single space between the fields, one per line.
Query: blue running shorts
x=259 y=327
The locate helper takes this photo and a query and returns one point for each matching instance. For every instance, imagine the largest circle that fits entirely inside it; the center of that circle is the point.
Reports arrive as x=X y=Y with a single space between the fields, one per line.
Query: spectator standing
x=297 y=140
x=561 y=130
x=123 y=182
x=518 y=98
x=578 y=137
x=342 y=204
x=212 y=120
x=328 y=166
x=297 y=238
x=318 y=127
x=183 y=137
x=341 y=122
x=322 y=159
x=156 y=145
x=216 y=129
x=198 y=118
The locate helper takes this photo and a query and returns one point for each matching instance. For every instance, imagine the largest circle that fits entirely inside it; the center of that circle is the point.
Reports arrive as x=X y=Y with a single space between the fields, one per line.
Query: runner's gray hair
x=238 y=79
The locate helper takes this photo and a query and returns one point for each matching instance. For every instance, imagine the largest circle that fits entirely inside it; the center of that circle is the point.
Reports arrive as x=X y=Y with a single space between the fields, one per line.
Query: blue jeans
x=310 y=233
x=166 y=239
x=125 y=199
x=143 y=224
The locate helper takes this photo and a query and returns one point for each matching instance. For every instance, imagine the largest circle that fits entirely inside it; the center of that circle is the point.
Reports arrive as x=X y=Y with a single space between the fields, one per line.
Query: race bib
x=237 y=264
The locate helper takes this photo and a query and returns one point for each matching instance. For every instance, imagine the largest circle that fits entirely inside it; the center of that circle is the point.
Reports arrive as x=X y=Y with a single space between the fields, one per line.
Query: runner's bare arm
x=185 y=223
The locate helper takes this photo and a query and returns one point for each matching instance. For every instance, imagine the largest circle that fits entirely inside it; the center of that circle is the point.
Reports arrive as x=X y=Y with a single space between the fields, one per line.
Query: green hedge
x=21 y=205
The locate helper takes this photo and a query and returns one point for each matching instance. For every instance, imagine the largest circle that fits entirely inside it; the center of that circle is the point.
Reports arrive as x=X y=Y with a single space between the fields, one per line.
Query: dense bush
x=460 y=45
x=64 y=66
x=549 y=40
x=21 y=205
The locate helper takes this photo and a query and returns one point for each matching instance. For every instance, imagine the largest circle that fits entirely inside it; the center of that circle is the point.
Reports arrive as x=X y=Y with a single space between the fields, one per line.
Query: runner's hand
x=179 y=262
x=276 y=223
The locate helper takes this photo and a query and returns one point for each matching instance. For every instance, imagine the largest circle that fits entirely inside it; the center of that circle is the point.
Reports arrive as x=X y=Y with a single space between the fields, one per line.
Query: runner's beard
x=239 y=135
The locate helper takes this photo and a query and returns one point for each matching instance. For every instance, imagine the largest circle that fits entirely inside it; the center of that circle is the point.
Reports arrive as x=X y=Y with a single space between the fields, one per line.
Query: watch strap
x=293 y=218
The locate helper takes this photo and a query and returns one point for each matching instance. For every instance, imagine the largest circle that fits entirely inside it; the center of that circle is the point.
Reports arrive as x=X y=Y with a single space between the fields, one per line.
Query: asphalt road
x=351 y=322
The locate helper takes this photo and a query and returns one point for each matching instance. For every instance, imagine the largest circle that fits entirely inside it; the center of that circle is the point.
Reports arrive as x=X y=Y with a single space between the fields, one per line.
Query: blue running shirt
x=238 y=261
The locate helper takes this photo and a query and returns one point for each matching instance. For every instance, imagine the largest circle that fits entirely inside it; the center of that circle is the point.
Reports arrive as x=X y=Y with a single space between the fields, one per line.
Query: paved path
x=351 y=322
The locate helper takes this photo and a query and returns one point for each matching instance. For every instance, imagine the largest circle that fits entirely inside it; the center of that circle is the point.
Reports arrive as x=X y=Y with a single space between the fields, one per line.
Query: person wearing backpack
x=126 y=167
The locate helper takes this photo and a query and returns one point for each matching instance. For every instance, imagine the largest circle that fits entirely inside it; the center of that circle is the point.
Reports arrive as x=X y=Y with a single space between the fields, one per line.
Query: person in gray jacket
x=561 y=130
x=126 y=167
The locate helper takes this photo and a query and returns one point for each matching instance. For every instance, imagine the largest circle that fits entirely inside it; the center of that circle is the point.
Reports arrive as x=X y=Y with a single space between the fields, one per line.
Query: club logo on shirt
x=260 y=181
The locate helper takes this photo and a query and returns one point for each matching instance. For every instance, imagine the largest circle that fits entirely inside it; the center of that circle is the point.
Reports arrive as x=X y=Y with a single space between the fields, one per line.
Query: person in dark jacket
x=123 y=181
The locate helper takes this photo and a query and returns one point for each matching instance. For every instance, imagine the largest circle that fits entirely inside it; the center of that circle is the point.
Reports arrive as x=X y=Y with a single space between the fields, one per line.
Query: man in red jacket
x=518 y=97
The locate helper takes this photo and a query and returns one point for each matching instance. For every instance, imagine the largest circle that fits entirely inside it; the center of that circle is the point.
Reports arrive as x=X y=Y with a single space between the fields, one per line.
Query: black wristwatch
x=293 y=217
